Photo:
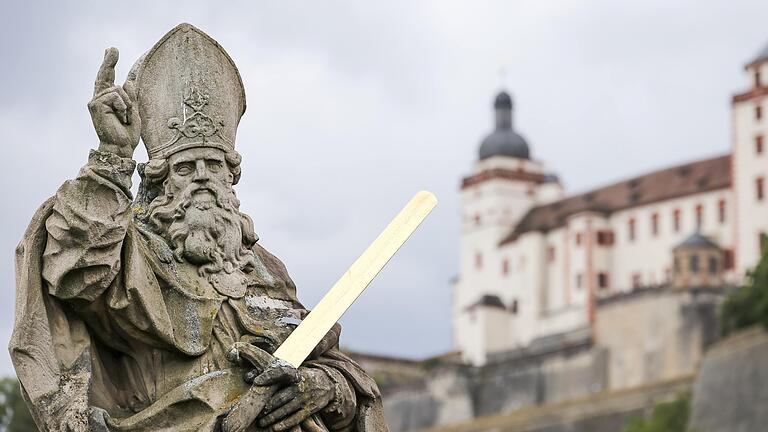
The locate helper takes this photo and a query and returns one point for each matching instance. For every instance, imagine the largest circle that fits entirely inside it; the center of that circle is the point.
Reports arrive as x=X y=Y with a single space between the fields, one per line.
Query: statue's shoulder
x=272 y=262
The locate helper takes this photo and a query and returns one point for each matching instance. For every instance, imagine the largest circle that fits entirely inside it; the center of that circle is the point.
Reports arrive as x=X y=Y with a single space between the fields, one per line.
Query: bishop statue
x=158 y=312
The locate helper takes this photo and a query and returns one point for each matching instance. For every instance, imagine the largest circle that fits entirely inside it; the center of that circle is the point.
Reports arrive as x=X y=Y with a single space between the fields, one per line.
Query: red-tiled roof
x=669 y=183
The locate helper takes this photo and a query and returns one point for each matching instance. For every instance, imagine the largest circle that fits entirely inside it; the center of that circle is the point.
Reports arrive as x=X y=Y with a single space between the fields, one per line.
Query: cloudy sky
x=354 y=106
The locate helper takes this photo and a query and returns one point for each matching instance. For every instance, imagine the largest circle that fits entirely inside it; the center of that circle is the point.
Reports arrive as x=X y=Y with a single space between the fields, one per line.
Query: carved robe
x=107 y=318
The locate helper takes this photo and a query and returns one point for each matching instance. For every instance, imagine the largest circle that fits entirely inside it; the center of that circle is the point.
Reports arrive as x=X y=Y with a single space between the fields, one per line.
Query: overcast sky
x=354 y=106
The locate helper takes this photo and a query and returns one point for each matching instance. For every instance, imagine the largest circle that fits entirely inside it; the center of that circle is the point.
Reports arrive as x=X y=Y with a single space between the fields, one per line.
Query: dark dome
x=503 y=100
x=504 y=141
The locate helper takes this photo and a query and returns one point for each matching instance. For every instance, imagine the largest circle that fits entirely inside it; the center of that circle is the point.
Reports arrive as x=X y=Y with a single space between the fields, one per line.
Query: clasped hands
x=281 y=396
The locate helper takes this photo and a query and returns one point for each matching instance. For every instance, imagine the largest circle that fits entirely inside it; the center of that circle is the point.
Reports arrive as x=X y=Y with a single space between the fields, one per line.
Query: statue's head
x=191 y=203
x=190 y=99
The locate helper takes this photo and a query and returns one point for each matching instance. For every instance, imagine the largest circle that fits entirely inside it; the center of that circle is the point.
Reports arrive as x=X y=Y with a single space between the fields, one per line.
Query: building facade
x=534 y=262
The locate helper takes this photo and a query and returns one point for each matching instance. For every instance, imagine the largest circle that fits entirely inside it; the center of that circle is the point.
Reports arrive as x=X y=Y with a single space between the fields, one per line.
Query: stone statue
x=157 y=313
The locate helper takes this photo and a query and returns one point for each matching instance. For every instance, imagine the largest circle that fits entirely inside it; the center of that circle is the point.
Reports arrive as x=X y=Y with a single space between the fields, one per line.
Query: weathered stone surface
x=603 y=412
x=730 y=393
x=159 y=312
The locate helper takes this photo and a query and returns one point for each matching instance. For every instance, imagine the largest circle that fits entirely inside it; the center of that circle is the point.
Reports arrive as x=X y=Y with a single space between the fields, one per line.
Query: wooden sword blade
x=355 y=280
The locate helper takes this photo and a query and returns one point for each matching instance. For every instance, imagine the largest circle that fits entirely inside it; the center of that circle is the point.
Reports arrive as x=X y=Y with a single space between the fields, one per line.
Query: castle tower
x=750 y=165
x=504 y=185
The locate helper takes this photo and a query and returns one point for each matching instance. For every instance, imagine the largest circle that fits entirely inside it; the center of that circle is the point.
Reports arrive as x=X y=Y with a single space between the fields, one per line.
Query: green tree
x=14 y=415
x=666 y=417
x=748 y=305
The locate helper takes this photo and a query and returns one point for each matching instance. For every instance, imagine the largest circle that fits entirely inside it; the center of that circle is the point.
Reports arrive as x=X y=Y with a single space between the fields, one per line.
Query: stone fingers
x=244 y=412
x=105 y=78
x=292 y=421
x=246 y=354
x=281 y=398
x=113 y=100
x=278 y=372
x=282 y=413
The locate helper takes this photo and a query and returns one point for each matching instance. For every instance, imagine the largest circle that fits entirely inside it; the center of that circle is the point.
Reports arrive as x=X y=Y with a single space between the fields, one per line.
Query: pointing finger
x=105 y=78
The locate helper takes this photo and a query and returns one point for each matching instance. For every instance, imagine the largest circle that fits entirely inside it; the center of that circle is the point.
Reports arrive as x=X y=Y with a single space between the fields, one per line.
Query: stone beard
x=159 y=313
x=202 y=223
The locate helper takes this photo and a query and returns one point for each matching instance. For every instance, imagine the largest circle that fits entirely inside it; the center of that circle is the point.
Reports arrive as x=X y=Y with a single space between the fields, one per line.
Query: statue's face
x=198 y=212
x=197 y=165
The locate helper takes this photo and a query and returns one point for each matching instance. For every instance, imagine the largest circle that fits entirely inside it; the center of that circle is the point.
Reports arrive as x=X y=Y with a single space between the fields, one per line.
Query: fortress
x=533 y=261
x=610 y=297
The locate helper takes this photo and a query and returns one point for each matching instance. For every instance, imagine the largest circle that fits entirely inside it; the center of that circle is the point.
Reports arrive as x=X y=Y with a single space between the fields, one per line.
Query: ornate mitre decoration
x=189 y=94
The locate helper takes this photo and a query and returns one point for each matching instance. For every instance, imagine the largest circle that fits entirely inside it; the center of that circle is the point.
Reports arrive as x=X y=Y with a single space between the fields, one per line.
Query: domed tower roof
x=504 y=141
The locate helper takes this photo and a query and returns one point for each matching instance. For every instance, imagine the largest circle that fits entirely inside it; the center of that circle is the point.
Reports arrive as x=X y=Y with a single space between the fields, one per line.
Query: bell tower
x=503 y=186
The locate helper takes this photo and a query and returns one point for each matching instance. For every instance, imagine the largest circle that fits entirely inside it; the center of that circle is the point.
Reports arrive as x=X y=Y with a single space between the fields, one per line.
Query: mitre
x=190 y=94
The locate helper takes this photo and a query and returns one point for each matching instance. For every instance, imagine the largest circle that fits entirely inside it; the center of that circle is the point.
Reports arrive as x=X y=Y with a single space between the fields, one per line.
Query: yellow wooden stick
x=348 y=288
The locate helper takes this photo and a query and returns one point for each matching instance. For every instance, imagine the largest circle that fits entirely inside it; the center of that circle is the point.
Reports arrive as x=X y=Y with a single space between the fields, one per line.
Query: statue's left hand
x=295 y=403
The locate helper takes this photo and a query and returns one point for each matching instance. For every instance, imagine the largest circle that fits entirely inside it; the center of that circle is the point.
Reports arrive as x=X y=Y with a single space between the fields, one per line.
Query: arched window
x=694 y=263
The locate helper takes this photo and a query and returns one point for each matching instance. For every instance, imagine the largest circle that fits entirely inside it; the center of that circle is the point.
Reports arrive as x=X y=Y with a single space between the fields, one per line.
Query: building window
x=758 y=112
x=757 y=78
x=721 y=211
x=505 y=267
x=477 y=219
x=602 y=280
x=637 y=280
x=631 y=229
x=605 y=238
x=579 y=280
x=578 y=239
x=551 y=254
x=730 y=262
x=699 y=215
x=655 y=224
x=478 y=260
x=694 y=264
x=759 y=144
x=712 y=266
x=763 y=242
x=759 y=188
x=676 y=220
x=513 y=307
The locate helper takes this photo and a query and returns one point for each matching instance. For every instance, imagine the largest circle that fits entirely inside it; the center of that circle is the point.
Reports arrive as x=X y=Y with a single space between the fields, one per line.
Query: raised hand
x=114 y=110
